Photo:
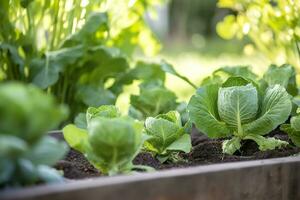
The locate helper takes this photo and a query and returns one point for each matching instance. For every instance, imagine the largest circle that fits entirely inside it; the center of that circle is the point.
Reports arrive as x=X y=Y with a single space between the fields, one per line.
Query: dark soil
x=205 y=151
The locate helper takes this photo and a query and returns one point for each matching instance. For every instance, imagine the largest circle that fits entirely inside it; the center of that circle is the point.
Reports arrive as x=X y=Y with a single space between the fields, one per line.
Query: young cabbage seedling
x=238 y=110
x=167 y=136
x=110 y=142
x=26 y=154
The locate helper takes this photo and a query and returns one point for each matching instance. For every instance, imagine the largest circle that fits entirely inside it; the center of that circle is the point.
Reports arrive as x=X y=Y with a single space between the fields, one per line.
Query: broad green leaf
x=75 y=137
x=284 y=75
x=265 y=144
x=275 y=110
x=184 y=144
x=294 y=135
x=237 y=105
x=203 y=112
x=95 y=96
x=46 y=71
x=47 y=151
x=231 y=146
x=153 y=100
x=148 y=71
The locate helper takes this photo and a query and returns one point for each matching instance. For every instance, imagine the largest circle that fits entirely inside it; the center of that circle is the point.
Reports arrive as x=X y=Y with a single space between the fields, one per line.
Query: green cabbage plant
x=167 y=136
x=109 y=141
x=241 y=110
x=26 y=153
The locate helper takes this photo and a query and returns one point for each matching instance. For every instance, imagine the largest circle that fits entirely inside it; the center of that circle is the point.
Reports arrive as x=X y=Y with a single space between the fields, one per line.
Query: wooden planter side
x=276 y=179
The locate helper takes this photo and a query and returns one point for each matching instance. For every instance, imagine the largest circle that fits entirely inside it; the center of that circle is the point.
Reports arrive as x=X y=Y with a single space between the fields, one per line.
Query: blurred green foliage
x=80 y=51
x=273 y=26
x=26 y=154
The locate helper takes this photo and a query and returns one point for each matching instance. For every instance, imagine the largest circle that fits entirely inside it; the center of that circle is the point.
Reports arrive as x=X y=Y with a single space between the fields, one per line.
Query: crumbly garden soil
x=205 y=151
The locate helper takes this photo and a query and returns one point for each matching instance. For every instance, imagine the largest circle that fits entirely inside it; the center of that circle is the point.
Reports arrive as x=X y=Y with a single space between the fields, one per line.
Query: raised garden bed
x=277 y=177
x=261 y=179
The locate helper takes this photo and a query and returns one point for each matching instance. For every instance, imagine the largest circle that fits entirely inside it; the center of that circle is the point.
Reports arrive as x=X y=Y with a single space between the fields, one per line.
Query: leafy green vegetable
x=26 y=114
x=167 y=136
x=110 y=142
x=235 y=109
x=153 y=99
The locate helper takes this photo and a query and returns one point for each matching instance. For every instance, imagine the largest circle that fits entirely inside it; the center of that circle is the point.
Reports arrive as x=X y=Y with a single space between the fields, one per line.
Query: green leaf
x=235 y=81
x=107 y=111
x=45 y=72
x=242 y=71
x=75 y=137
x=184 y=144
x=80 y=121
x=295 y=123
x=7 y=169
x=293 y=134
x=153 y=100
x=231 y=146
x=265 y=144
x=204 y=112
x=49 y=175
x=167 y=136
x=275 y=110
x=95 y=25
x=93 y=96
x=11 y=146
x=284 y=75
x=238 y=105
x=46 y=152
x=148 y=71
x=163 y=133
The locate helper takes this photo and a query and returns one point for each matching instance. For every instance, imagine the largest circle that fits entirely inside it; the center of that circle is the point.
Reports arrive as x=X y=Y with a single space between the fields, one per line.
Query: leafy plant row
x=233 y=104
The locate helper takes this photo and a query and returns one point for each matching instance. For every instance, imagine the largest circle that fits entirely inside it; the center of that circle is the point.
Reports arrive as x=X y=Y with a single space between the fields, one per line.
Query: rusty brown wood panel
x=272 y=179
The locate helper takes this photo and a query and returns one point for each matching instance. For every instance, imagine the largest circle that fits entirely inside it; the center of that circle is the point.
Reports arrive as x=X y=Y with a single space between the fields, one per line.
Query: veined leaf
x=204 y=112
x=276 y=108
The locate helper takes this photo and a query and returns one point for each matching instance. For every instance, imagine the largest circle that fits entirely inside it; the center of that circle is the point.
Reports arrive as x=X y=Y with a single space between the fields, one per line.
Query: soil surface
x=205 y=151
